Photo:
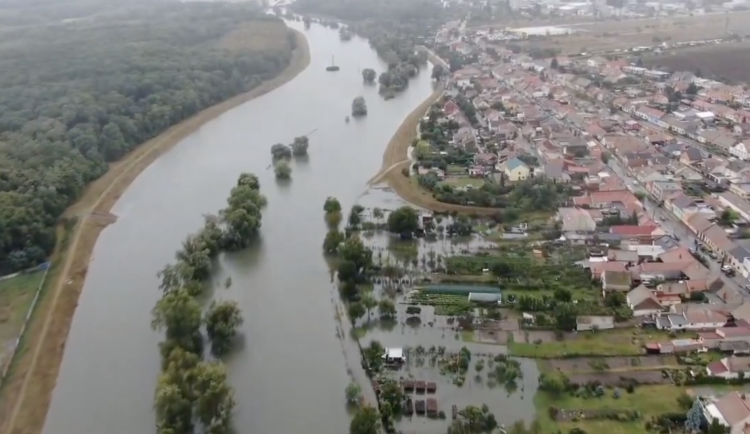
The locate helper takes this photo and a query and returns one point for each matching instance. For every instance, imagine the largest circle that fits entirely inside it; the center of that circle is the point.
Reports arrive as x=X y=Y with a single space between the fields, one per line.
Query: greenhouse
x=485 y=297
x=464 y=290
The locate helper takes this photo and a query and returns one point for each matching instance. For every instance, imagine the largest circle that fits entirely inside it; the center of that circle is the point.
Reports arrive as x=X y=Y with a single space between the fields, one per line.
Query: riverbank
x=396 y=159
x=25 y=398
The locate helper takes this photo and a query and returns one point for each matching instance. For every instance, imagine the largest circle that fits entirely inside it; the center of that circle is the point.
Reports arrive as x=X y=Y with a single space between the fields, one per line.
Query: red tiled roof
x=717 y=368
x=632 y=230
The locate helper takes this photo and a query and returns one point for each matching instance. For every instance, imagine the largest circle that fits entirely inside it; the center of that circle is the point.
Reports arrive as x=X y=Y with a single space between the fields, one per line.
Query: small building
x=394 y=355
x=484 y=297
x=616 y=281
x=643 y=302
x=595 y=322
x=516 y=170
x=729 y=367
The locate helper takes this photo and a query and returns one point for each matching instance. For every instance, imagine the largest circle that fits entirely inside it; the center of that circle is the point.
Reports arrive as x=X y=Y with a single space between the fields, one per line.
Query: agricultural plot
x=610 y=35
x=725 y=62
x=622 y=342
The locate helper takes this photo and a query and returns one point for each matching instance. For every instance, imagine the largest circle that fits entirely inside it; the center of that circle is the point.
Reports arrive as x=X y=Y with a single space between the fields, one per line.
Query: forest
x=77 y=94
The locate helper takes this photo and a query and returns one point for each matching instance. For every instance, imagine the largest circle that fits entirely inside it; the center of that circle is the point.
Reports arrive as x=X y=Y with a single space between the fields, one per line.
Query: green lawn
x=456 y=170
x=16 y=295
x=462 y=182
x=649 y=400
x=623 y=342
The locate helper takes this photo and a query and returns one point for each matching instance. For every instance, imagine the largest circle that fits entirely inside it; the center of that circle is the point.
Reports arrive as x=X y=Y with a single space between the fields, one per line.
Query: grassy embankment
x=26 y=395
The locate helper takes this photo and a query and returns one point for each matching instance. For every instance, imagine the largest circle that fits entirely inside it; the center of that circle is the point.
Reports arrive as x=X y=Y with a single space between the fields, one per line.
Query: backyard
x=647 y=401
x=618 y=342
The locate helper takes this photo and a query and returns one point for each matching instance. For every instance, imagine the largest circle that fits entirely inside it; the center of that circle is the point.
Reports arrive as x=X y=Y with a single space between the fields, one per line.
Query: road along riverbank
x=25 y=398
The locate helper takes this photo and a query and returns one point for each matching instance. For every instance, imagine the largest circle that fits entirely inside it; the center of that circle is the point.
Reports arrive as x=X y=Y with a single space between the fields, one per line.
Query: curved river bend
x=291 y=372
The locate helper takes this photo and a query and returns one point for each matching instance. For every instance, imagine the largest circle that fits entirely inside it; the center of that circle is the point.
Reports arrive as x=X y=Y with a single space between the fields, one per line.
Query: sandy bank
x=27 y=392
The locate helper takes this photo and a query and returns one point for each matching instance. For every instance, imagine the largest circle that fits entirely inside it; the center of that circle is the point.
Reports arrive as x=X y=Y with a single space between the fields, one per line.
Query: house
x=516 y=170
x=732 y=411
x=616 y=281
x=717 y=240
x=576 y=220
x=640 y=234
x=729 y=367
x=691 y=156
x=663 y=189
x=591 y=322
x=729 y=199
x=736 y=257
x=642 y=301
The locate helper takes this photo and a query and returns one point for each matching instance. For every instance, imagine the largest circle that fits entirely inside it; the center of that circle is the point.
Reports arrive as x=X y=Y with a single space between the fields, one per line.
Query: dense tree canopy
x=403 y=220
x=222 y=320
x=78 y=95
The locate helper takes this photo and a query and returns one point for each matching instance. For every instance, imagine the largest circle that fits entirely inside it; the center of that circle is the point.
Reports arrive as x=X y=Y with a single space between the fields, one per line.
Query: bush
x=630 y=388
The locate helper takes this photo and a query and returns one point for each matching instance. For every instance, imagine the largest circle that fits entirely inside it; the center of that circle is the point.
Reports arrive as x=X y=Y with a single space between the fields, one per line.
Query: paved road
x=674 y=226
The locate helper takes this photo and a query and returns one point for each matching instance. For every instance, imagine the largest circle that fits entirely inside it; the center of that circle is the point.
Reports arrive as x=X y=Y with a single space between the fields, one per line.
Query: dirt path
x=28 y=389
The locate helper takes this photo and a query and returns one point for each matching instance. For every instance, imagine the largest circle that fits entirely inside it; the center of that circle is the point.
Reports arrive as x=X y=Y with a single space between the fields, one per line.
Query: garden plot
x=589 y=364
x=621 y=379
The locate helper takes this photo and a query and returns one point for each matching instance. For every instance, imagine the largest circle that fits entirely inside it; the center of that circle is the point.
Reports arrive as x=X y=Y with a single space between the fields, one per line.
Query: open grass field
x=649 y=400
x=609 y=35
x=463 y=182
x=724 y=62
x=26 y=395
x=618 y=342
x=16 y=295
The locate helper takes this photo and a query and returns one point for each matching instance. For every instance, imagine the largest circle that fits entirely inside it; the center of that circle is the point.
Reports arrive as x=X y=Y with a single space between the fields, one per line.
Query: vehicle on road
x=747 y=287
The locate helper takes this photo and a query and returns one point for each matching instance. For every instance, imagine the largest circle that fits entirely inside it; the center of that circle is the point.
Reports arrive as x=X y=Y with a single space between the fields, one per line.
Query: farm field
x=610 y=35
x=463 y=182
x=725 y=62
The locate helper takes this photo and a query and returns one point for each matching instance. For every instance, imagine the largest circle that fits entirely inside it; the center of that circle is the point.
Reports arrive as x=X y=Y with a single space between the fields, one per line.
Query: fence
x=9 y=360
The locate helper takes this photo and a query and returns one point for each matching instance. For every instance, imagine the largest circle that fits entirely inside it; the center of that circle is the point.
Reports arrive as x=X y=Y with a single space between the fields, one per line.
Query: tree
x=249 y=180
x=365 y=421
x=729 y=216
x=222 y=320
x=281 y=151
x=564 y=295
x=403 y=220
x=355 y=215
x=299 y=146
x=554 y=64
x=333 y=240
x=554 y=383
x=369 y=75
x=331 y=205
x=333 y=220
x=359 y=107
x=615 y=299
x=387 y=308
x=353 y=393
x=356 y=311
x=179 y=314
x=355 y=251
x=282 y=169
x=173 y=408
x=438 y=72
x=605 y=157
x=214 y=398
x=368 y=302
x=692 y=89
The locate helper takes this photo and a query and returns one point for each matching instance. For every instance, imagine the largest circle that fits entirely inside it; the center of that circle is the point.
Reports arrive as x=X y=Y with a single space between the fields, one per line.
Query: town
x=617 y=195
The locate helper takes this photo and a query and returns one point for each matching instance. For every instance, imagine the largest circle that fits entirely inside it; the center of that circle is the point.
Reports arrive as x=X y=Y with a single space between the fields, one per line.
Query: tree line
x=190 y=389
x=79 y=95
x=394 y=29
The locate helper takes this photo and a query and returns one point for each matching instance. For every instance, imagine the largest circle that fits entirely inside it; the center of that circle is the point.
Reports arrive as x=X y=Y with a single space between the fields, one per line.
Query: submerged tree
x=333 y=241
x=365 y=421
x=403 y=220
x=179 y=314
x=280 y=150
x=331 y=205
x=222 y=320
x=249 y=180
x=299 y=146
x=283 y=170
x=369 y=75
x=359 y=107
x=214 y=398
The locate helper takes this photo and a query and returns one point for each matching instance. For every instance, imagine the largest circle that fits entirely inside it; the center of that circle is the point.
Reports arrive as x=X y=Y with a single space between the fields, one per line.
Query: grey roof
x=694 y=154
x=734 y=346
x=739 y=253
x=682 y=201
x=641 y=294
x=677 y=320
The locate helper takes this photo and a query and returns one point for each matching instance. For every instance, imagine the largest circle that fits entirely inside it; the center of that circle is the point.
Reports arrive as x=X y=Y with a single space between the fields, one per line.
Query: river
x=290 y=371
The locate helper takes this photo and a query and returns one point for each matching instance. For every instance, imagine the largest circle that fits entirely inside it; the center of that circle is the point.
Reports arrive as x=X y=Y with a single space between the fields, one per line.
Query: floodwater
x=291 y=370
